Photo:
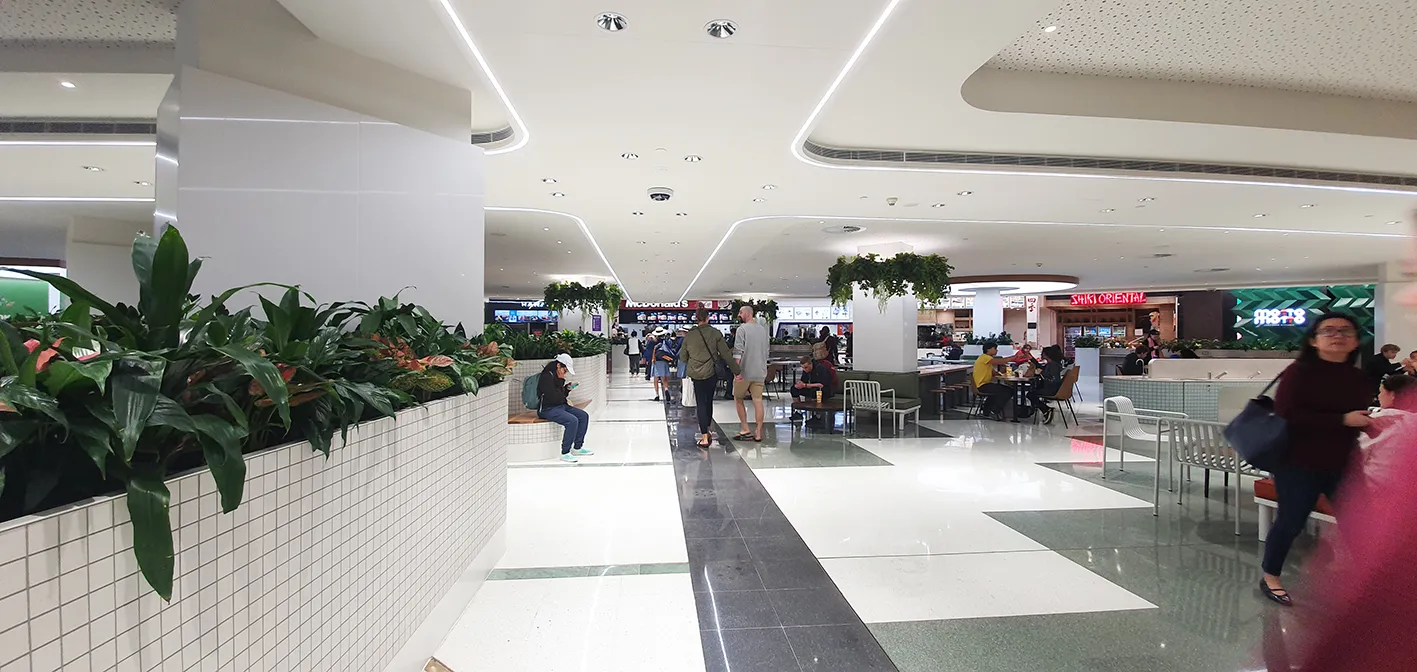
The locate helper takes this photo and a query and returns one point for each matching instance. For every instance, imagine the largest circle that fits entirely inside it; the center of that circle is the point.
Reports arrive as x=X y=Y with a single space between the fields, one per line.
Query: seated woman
x=1048 y=380
x=1392 y=427
x=553 y=390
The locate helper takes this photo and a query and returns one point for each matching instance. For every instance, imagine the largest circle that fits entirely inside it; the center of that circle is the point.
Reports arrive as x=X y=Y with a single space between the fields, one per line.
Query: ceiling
x=1291 y=45
x=949 y=75
x=86 y=22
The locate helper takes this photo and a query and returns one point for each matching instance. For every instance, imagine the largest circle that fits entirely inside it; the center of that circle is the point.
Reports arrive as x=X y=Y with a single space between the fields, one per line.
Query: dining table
x=1022 y=386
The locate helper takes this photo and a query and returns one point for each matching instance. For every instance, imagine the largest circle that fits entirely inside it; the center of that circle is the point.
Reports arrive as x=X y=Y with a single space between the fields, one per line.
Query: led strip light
x=523 y=134
x=584 y=230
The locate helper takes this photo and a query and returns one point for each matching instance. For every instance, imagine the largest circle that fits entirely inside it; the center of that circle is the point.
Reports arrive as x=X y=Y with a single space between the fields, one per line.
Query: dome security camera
x=660 y=194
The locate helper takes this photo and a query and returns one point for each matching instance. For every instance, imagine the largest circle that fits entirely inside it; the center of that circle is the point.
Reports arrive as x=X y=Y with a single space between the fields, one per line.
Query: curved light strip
x=586 y=231
x=1242 y=229
x=524 y=135
x=811 y=121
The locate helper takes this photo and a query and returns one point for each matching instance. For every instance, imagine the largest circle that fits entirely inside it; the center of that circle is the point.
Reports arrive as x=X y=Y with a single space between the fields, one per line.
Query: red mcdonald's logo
x=1109 y=299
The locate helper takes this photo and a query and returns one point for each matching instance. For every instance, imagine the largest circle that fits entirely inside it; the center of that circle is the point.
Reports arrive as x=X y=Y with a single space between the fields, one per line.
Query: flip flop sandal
x=742 y=436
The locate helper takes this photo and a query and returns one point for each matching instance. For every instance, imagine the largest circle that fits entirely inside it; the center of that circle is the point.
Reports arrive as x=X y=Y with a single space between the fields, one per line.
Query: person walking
x=703 y=348
x=553 y=391
x=1323 y=396
x=750 y=347
x=632 y=350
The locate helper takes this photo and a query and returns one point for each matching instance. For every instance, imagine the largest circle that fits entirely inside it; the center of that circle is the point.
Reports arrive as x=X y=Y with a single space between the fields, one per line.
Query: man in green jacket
x=704 y=347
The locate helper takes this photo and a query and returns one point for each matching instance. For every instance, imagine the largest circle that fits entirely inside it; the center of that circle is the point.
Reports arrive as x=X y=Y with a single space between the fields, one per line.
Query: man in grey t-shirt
x=750 y=348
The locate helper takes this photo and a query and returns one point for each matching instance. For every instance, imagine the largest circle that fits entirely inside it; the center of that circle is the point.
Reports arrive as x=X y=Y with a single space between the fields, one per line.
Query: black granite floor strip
x=764 y=601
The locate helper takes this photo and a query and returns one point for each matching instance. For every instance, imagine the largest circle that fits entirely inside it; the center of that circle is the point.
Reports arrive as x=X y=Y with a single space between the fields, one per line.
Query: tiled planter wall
x=327 y=565
x=590 y=373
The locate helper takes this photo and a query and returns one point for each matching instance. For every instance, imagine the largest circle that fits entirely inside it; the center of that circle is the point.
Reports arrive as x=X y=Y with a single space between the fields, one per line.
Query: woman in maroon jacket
x=1324 y=398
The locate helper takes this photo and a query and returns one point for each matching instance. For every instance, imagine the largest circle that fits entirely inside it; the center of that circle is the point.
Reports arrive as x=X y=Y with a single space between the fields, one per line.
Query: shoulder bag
x=1259 y=435
x=720 y=368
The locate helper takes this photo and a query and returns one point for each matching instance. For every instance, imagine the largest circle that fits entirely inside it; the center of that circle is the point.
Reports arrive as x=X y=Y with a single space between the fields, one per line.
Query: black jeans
x=996 y=397
x=634 y=365
x=1297 y=491
x=703 y=396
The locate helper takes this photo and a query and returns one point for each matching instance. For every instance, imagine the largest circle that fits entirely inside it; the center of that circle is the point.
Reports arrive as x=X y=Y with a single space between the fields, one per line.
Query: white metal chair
x=1121 y=410
x=867 y=395
x=1199 y=443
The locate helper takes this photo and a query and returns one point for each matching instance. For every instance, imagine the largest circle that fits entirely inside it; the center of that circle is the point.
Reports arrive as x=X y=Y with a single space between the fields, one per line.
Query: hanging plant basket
x=598 y=298
x=766 y=307
x=925 y=276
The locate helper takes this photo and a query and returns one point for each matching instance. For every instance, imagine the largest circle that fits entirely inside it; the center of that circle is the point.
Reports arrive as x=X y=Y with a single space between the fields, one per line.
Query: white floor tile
x=613 y=442
x=610 y=624
x=631 y=393
x=641 y=411
x=593 y=516
x=922 y=588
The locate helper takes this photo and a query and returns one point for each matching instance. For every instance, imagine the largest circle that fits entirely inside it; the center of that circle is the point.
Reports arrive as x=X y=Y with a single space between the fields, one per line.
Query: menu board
x=821 y=313
x=840 y=314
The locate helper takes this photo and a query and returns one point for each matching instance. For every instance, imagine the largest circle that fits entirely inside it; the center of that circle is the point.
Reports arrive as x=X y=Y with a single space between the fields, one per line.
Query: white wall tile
x=332 y=567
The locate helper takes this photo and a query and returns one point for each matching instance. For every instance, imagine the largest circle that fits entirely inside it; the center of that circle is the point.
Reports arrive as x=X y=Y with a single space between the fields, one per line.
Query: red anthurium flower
x=437 y=360
x=31 y=345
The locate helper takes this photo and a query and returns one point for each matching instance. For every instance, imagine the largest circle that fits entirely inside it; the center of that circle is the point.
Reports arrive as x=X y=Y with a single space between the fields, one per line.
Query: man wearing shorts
x=750 y=347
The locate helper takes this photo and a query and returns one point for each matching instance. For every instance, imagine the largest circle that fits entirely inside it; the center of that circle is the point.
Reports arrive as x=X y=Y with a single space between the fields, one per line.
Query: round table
x=1021 y=386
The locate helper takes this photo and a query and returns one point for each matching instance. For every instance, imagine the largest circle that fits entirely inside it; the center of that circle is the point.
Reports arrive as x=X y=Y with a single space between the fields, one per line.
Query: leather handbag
x=1259 y=435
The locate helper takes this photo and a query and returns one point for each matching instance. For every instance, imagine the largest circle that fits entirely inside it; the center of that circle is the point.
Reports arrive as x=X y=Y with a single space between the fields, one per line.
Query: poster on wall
x=821 y=313
x=841 y=314
x=595 y=322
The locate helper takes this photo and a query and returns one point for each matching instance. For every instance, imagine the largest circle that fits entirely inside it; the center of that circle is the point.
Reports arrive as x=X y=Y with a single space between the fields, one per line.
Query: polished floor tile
x=574 y=517
x=838 y=648
x=637 y=411
x=974 y=585
x=609 y=624
x=621 y=443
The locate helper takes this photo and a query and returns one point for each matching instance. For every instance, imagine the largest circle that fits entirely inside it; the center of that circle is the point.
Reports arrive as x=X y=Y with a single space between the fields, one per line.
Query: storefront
x=954 y=317
x=524 y=316
x=805 y=319
x=1116 y=317
x=635 y=316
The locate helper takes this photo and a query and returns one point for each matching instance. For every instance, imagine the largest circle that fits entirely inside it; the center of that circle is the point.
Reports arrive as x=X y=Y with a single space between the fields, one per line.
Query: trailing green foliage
x=766 y=308
x=927 y=277
x=1087 y=342
x=1001 y=338
x=115 y=402
x=598 y=298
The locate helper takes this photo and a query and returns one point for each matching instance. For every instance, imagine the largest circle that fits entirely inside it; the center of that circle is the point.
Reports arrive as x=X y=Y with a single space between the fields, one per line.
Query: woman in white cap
x=553 y=390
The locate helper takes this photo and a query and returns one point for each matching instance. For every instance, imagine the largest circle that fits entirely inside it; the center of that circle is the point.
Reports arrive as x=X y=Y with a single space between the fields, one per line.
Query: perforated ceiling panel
x=1361 y=48
x=87 y=22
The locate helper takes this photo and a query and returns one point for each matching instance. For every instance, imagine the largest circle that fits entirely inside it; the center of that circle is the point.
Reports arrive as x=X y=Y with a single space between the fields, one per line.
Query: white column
x=885 y=339
x=273 y=164
x=573 y=320
x=989 y=313
x=1396 y=323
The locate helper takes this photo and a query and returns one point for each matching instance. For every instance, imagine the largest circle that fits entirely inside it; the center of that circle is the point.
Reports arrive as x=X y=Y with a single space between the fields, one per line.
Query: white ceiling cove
x=1358 y=48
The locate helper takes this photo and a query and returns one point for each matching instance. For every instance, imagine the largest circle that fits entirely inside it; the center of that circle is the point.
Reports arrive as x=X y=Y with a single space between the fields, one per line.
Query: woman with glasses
x=1323 y=396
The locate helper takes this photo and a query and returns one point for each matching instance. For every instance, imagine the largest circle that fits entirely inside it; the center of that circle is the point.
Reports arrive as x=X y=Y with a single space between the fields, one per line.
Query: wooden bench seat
x=1266 y=501
x=528 y=416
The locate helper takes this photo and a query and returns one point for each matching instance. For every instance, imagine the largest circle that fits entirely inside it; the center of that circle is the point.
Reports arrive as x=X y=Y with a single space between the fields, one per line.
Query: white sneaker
x=567 y=457
x=582 y=451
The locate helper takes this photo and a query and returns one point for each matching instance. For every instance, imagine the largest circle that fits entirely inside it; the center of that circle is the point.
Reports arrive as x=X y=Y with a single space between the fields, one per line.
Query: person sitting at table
x=1048 y=380
x=1024 y=355
x=1136 y=361
x=996 y=395
x=816 y=376
x=955 y=353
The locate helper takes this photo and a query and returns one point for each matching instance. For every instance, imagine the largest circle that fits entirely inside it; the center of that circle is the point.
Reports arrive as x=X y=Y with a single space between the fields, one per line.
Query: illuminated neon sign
x=1109 y=299
x=1280 y=317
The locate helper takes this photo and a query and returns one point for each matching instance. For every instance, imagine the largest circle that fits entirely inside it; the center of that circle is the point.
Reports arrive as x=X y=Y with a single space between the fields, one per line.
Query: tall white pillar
x=885 y=338
x=989 y=312
x=1396 y=323
x=284 y=158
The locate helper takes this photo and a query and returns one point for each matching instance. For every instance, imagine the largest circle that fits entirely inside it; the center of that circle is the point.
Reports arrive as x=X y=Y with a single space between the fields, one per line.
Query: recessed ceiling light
x=558 y=242
x=1148 y=199
x=1109 y=210
x=93 y=169
x=673 y=242
x=548 y=180
x=557 y=194
x=759 y=200
x=142 y=183
x=545 y=228
x=1309 y=205
x=568 y=251
x=965 y=193
x=693 y=158
x=1393 y=223
x=611 y=22
x=681 y=214
x=1261 y=214
x=629 y=156
x=641 y=242
x=637 y=213
x=937 y=205
x=721 y=28
x=769 y=187
x=501 y=269
x=67 y=84
x=1051 y=29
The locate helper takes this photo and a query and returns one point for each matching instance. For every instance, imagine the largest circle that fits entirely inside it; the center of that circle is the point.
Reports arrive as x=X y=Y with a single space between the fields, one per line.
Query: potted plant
x=927 y=277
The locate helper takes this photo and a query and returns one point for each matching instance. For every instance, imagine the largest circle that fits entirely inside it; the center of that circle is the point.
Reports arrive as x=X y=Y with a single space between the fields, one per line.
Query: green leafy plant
x=925 y=276
x=574 y=343
x=766 y=308
x=1087 y=342
x=598 y=298
x=115 y=402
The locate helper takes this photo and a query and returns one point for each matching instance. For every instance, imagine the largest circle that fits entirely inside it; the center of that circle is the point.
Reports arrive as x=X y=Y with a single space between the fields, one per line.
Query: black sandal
x=1277 y=595
x=742 y=436
x=705 y=444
